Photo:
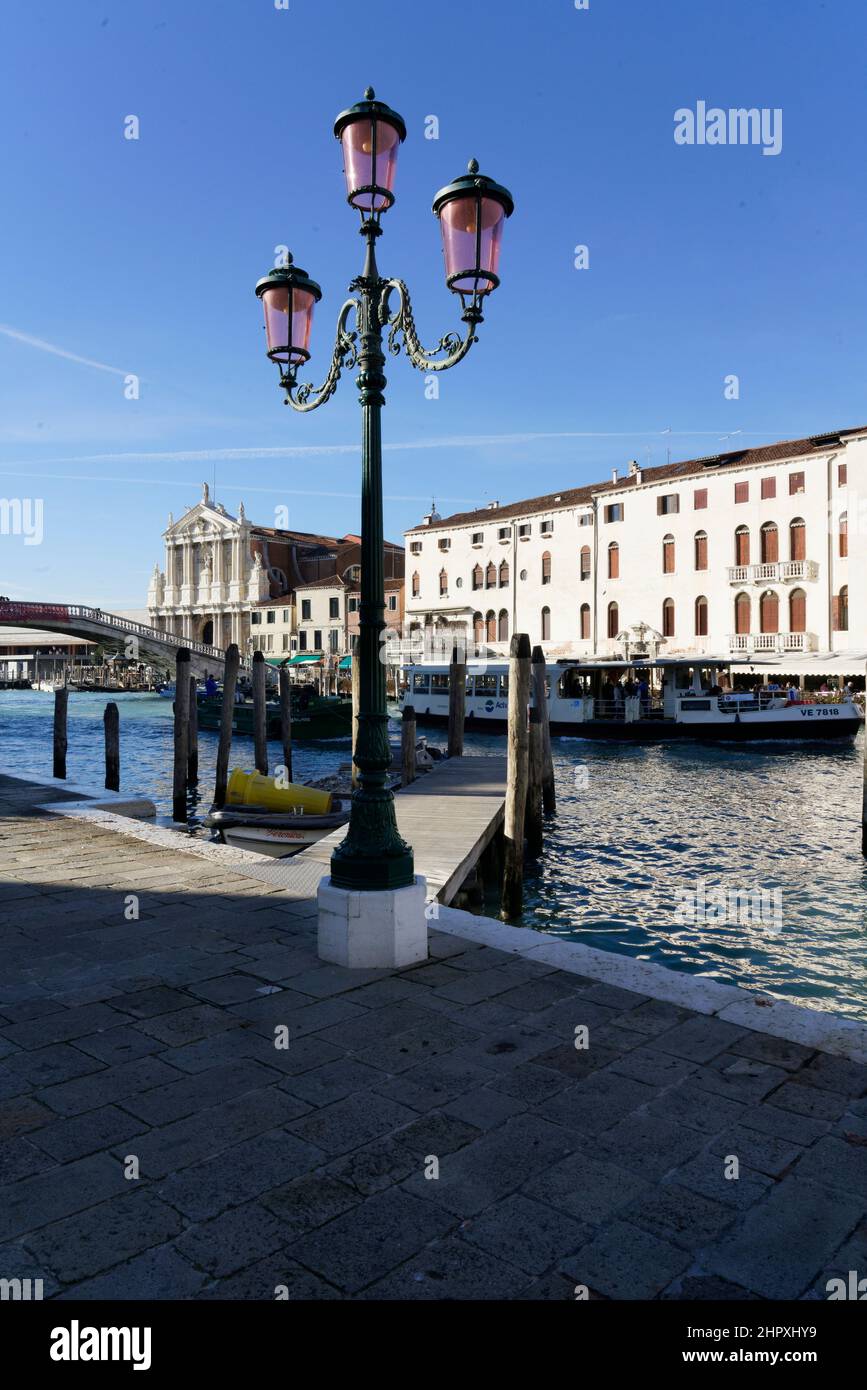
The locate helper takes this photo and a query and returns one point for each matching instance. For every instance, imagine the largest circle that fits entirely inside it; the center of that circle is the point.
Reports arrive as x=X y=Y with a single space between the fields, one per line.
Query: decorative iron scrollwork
x=402 y=323
x=306 y=396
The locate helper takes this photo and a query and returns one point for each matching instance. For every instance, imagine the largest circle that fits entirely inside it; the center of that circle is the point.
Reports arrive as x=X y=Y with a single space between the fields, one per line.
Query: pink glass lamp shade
x=288 y=296
x=472 y=211
x=370 y=134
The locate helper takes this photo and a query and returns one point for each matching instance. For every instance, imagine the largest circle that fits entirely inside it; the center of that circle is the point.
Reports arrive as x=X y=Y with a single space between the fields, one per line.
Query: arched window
x=742 y=545
x=844 y=535
x=668 y=617
x=584 y=566
x=546 y=567
x=444 y=583
x=491 y=625
x=491 y=576
x=478 y=629
x=797 y=611
x=668 y=555
x=701 y=550
x=584 y=617
x=743 y=614
x=503 y=626
x=613 y=620
x=840 y=607
x=770 y=543
x=797 y=539
x=546 y=624
x=504 y=574
x=478 y=577
x=769 y=612
x=614 y=560
x=416 y=585
x=701 y=616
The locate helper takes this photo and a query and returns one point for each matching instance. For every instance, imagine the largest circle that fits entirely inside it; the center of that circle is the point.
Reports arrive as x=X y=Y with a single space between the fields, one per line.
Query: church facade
x=219 y=569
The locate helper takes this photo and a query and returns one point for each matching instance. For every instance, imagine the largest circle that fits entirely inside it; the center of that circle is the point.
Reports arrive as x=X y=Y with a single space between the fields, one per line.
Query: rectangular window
x=699 y=499
x=504 y=533
x=317 y=640
x=796 y=484
x=353 y=603
x=841 y=475
x=285 y=615
x=478 y=537
x=285 y=641
x=439 y=685
x=334 y=639
x=415 y=547
x=486 y=685
x=769 y=489
x=302 y=641
x=255 y=619
x=392 y=603
x=742 y=492
x=445 y=543
x=586 y=519
x=305 y=610
x=667 y=504
x=525 y=530
x=420 y=684
x=547 y=528
x=334 y=608
x=272 y=616
x=504 y=686
x=614 y=512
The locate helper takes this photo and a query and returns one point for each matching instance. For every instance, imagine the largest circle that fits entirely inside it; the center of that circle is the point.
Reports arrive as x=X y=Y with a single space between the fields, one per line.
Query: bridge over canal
x=110 y=630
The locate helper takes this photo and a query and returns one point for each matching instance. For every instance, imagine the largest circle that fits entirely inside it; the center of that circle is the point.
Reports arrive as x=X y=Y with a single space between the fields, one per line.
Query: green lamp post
x=471 y=211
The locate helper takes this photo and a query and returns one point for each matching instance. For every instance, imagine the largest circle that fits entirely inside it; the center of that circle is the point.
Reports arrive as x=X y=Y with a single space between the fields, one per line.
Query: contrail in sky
x=42 y=346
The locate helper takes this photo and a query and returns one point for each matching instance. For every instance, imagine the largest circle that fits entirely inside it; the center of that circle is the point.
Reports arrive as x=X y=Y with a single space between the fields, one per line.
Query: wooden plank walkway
x=449 y=816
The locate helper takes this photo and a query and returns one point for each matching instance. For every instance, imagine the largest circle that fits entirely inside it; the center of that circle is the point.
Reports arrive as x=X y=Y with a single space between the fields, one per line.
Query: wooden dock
x=449 y=816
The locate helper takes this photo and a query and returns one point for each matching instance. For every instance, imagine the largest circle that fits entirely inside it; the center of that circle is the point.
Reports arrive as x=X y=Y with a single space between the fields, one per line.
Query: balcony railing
x=777 y=571
x=777 y=642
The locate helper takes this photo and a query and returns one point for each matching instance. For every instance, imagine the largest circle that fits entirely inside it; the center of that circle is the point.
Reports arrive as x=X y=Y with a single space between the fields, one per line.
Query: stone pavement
x=147 y=1045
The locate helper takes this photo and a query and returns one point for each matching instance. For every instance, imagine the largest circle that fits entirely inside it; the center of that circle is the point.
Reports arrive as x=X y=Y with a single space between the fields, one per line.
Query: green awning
x=301 y=657
x=345 y=663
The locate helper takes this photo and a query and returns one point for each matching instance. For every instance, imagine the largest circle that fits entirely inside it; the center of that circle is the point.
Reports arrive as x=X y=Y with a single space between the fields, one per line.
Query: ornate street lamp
x=471 y=211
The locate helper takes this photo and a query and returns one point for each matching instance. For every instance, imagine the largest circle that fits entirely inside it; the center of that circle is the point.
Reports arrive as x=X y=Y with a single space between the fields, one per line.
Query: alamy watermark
x=746 y=907
x=22 y=516
x=739 y=125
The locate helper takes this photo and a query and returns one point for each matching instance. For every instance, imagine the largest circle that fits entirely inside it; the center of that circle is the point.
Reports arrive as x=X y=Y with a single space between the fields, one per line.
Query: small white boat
x=277 y=834
x=47 y=687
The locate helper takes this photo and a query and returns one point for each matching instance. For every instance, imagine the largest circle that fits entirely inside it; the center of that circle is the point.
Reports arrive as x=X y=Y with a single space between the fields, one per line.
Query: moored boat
x=313 y=716
x=641 y=701
x=275 y=833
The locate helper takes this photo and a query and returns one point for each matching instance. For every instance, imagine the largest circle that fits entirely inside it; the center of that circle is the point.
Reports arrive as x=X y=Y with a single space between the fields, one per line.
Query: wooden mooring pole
x=193 y=741
x=182 y=735
x=61 y=701
x=111 y=724
x=227 y=710
x=533 y=809
x=540 y=696
x=260 y=714
x=286 y=719
x=457 y=701
x=407 y=746
x=356 y=703
x=517 y=756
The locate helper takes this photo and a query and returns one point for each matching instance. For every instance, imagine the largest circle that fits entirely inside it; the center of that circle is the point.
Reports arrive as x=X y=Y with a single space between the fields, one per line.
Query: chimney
x=614 y=475
x=634 y=470
x=492 y=506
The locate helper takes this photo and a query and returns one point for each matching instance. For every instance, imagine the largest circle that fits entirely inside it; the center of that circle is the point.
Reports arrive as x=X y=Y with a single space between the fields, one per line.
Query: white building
x=755 y=552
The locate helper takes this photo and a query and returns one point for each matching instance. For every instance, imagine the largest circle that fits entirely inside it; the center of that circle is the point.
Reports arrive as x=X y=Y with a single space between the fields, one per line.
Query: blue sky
x=142 y=255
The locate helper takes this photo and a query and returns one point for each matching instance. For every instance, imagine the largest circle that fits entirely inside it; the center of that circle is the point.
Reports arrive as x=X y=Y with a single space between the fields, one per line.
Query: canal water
x=740 y=864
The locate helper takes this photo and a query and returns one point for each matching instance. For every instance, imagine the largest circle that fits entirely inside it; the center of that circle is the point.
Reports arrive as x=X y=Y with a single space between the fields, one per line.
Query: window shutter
x=835 y=613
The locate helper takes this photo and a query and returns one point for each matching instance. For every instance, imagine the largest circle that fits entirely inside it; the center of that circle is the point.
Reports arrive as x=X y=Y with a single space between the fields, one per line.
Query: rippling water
x=635 y=829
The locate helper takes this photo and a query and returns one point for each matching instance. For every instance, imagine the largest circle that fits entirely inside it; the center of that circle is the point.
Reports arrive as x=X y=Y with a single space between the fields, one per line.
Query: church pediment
x=206 y=520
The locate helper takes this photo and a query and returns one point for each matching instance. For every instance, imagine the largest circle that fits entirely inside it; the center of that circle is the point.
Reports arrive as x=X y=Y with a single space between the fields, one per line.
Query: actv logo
x=853 y=1287
x=77 y=1343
